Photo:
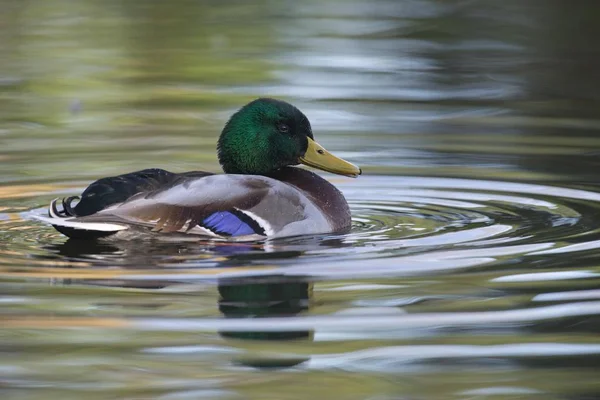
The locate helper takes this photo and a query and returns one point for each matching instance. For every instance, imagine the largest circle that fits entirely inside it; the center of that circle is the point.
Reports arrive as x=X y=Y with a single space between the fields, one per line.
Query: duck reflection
x=270 y=296
x=151 y=254
x=273 y=295
x=266 y=296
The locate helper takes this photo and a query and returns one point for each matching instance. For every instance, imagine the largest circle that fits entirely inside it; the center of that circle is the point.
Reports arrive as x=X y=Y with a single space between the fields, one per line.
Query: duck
x=263 y=192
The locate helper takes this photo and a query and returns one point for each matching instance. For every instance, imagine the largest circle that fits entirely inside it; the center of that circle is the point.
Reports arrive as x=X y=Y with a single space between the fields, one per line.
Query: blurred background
x=504 y=89
x=476 y=123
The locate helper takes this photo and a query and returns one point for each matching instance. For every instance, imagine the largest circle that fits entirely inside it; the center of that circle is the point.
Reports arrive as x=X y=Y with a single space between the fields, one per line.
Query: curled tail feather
x=67 y=208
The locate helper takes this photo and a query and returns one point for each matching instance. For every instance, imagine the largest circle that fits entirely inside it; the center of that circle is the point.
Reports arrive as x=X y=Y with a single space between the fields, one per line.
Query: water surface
x=471 y=271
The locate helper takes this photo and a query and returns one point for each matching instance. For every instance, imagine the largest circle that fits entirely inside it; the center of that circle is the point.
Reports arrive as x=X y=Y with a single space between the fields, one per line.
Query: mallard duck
x=262 y=193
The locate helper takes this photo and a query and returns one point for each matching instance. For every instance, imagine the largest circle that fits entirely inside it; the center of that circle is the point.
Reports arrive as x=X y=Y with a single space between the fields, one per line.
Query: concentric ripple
x=442 y=223
x=431 y=212
x=458 y=270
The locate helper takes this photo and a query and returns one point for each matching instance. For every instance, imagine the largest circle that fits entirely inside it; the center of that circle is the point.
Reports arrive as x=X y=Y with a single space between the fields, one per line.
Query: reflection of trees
x=562 y=82
x=544 y=50
x=90 y=46
x=147 y=69
x=198 y=42
x=531 y=64
x=96 y=76
x=566 y=66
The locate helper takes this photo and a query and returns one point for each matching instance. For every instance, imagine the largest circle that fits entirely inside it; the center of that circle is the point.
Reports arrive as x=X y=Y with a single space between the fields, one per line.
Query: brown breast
x=326 y=196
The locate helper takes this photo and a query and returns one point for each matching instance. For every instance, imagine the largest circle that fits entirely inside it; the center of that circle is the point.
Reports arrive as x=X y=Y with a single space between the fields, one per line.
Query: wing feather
x=187 y=205
x=266 y=206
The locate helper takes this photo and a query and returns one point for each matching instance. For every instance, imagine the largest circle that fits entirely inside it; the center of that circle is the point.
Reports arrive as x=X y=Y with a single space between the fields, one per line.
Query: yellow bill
x=316 y=156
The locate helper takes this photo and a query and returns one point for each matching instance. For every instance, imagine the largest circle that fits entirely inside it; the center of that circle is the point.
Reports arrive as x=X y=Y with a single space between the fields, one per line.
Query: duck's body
x=279 y=200
x=292 y=201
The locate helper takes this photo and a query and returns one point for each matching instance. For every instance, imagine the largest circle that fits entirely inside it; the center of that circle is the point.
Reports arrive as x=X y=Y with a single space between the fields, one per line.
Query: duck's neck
x=325 y=196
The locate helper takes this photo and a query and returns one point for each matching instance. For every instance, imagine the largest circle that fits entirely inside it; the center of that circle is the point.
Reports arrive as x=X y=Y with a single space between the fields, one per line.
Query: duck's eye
x=283 y=128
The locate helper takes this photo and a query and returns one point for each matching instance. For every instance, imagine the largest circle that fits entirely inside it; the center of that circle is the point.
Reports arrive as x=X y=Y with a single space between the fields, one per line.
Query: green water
x=472 y=269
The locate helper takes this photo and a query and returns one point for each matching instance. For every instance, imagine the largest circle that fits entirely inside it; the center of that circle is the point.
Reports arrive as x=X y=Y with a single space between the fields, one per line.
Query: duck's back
x=106 y=192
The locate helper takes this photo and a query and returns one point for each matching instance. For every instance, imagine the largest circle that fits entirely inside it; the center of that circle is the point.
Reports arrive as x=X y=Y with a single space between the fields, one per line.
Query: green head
x=268 y=134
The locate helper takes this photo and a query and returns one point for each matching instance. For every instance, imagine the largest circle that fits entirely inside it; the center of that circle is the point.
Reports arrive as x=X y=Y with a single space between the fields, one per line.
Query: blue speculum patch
x=227 y=223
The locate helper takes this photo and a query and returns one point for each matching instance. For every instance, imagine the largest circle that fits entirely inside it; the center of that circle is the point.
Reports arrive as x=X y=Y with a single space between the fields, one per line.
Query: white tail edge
x=88 y=226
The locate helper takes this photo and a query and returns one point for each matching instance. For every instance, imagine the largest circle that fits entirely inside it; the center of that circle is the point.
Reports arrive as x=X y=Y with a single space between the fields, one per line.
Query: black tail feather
x=67 y=205
x=67 y=208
